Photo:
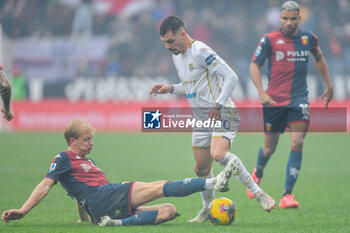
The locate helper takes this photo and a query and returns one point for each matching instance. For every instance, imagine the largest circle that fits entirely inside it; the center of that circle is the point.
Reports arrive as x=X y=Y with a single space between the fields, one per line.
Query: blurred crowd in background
x=231 y=27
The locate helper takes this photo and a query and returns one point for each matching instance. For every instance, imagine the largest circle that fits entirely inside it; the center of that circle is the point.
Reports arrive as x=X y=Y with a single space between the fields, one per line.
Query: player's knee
x=170 y=211
x=269 y=150
x=297 y=144
x=217 y=155
x=202 y=171
x=165 y=213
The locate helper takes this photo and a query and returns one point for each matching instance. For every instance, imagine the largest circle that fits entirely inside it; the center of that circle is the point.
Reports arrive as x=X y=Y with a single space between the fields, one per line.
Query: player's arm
x=37 y=195
x=230 y=81
x=254 y=71
x=322 y=68
x=5 y=90
x=165 y=89
x=83 y=215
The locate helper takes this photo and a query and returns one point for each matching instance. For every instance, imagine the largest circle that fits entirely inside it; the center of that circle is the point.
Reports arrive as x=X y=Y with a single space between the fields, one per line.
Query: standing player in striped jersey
x=286 y=99
x=208 y=82
x=5 y=91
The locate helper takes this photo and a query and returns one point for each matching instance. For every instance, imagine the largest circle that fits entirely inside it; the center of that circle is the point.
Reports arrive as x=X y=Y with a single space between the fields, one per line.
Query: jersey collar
x=292 y=37
x=189 y=47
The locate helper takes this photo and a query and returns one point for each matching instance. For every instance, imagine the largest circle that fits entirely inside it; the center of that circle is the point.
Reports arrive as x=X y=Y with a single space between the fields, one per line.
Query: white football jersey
x=196 y=69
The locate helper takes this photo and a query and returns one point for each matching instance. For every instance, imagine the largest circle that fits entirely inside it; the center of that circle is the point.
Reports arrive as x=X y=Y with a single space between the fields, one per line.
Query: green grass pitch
x=322 y=190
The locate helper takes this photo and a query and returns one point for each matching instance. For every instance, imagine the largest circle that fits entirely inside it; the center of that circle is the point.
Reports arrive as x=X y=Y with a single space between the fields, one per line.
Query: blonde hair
x=76 y=128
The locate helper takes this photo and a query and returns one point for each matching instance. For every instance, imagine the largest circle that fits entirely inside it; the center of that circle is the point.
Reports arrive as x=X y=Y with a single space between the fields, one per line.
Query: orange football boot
x=288 y=201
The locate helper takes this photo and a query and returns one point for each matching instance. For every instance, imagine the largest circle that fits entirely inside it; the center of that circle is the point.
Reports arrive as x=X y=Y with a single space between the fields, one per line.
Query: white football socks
x=242 y=175
x=209 y=194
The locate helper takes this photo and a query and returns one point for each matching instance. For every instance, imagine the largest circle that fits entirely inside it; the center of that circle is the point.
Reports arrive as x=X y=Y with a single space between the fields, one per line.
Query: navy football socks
x=184 y=187
x=292 y=172
x=261 y=163
x=143 y=218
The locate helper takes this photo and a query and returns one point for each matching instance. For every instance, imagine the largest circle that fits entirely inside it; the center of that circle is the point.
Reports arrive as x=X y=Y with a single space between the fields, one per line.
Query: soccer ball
x=222 y=211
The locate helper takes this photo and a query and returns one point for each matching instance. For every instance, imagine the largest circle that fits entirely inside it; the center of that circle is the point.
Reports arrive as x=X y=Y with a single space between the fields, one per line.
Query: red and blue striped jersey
x=287 y=64
x=78 y=175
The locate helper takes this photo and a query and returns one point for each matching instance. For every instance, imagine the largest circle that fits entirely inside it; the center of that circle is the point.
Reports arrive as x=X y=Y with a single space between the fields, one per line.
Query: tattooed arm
x=5 y=90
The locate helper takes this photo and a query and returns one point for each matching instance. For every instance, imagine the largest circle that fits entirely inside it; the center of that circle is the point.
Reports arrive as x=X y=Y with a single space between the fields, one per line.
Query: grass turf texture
x=322 y=189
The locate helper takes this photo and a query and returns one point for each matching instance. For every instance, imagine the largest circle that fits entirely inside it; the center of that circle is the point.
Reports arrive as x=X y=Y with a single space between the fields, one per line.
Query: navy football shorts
x=112 y=200
x=277 y=118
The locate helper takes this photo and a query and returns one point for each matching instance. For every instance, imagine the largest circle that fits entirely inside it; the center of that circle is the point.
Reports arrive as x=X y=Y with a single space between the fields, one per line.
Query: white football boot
x=202 y=216
x=266 y=202
x=232 y=167
x=107 y=221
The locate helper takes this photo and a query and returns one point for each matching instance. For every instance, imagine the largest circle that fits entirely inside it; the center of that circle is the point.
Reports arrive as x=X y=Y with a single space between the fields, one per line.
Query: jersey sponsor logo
x=52 y=167
x=301 y=53
x=152 y=120
x=304 y=40
x=279 y=55
x=191 y=95
x=297 y=55
x=85 y=166
x=210 y=59
x=280 y=41
x=292 y=55
x=258 y=51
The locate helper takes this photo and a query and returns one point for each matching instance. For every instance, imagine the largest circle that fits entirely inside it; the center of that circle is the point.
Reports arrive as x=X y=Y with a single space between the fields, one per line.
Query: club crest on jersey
x=304 y=40
x=190 y=67
x=268 y=127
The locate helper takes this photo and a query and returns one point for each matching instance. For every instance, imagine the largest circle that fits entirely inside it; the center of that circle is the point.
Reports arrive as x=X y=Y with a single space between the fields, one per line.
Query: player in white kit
x=208 y=82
